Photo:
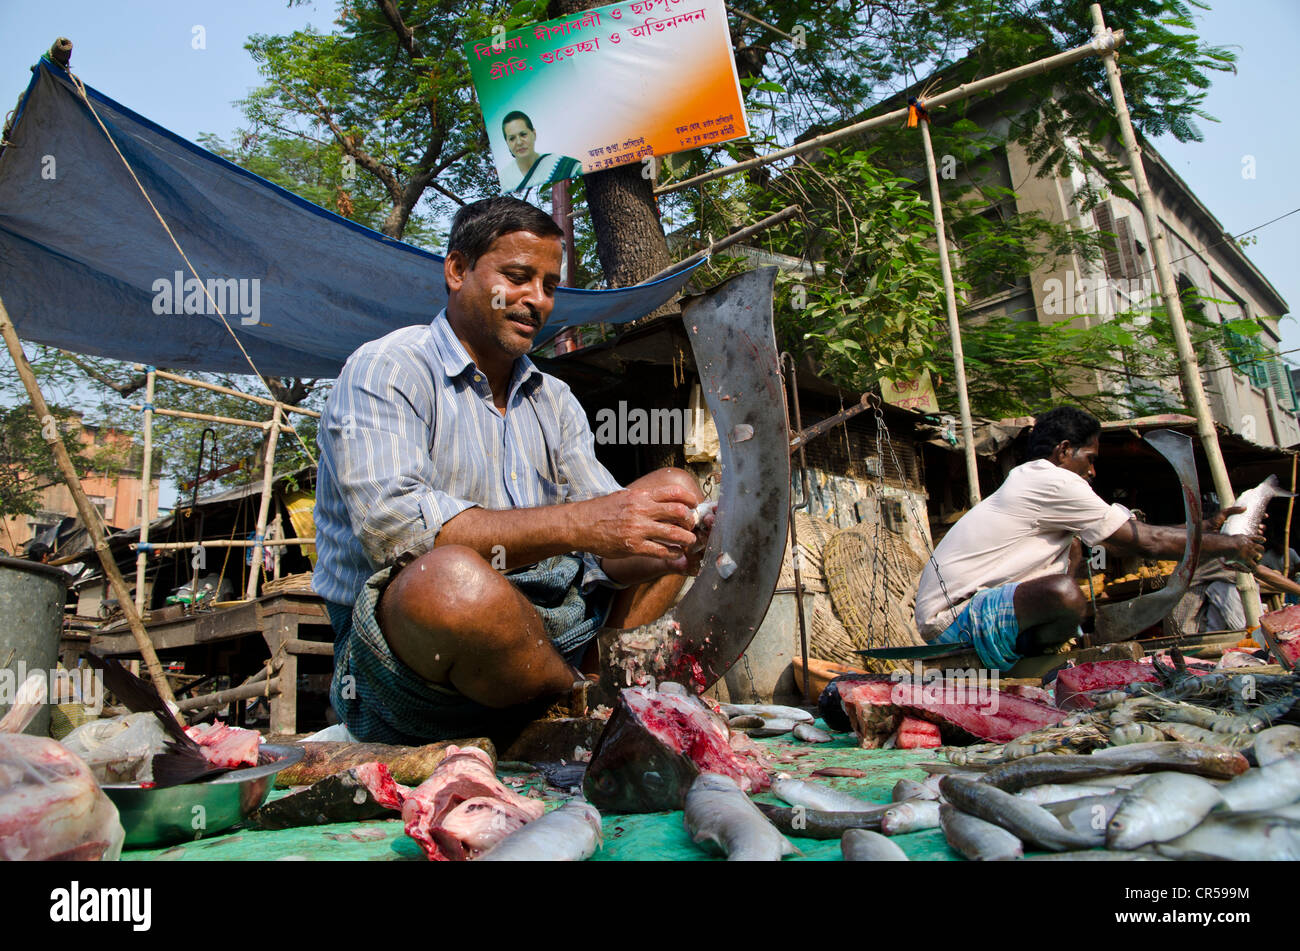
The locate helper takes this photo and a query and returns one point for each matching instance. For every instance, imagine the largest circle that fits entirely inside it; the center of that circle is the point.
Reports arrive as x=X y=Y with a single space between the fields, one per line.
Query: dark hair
x=37 y=550
x=477 y=225
x=512 y=116
x=1063 y=424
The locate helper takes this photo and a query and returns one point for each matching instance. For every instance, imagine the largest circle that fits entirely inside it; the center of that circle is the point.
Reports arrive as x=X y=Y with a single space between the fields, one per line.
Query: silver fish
x=1160 y=808
x=906 y=789
x=767 y=711
x=810 y=734
x=976 y=839
x=1255 y=501
x=1277 y=784
x=771 y=726
x=810 y=795
x=568 y=834
x=1088 y=815
x=911 y=816
x=1032 y=824
x=863 y=845
x=1239 y=837
x=1050 y=793
x=719 y=817
x=1275 y=743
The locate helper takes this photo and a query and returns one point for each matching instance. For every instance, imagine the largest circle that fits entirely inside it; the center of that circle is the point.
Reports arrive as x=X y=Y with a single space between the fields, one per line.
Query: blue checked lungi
x=381 y=700
x=988 y=623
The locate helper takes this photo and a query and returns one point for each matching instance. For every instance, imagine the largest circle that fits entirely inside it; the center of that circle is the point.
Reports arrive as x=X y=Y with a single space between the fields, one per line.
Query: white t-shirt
x=1020 y=532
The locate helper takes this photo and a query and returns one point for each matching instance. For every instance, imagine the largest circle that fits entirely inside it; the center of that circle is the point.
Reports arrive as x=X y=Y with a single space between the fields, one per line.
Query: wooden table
x=276 y=617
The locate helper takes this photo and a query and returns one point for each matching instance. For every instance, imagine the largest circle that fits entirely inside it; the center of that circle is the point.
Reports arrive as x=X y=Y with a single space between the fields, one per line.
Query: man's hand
x=1215 y=521
x=1246 y=549
x=653 y=519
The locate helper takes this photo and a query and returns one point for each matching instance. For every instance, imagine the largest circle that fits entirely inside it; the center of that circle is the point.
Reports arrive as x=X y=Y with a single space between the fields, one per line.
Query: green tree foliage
x=26 y=463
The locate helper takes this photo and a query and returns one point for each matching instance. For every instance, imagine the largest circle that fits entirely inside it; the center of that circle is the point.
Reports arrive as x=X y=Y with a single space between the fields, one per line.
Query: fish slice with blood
x=462 y=809
x=226 y=745
x=875 y=709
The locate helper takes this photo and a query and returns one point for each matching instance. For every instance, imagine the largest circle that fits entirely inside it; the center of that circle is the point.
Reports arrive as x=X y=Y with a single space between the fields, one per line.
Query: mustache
x=530 y=315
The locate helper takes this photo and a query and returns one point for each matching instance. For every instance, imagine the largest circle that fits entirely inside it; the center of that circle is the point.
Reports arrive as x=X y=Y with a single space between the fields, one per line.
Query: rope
x=81 y=91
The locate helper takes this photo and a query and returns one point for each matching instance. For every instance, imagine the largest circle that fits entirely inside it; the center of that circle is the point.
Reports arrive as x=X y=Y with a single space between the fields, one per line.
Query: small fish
x=1088 y=814
x=719 y=817
x=863 y=845
x=1160 y=808
x=1276 y=743
x=976 y=839
x=810 y=734
x=1032 y=824
x=1255 y=501
x=771 y=726
x=1051 y=793
x=1277 y=784
x=767 y=711
x=911 y=816
x=798 y=792
x=570 y=833
x=806 y=823
x=906 y=789
x=745 y=722
x=844 y=771
x=1239 y=837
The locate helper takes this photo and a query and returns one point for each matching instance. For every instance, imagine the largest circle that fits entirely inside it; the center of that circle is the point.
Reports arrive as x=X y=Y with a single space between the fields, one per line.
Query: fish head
x=638 y=777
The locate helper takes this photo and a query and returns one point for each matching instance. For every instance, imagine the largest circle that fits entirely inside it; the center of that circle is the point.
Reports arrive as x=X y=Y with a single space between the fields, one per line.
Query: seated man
x=448 y=457
x=1002 y=579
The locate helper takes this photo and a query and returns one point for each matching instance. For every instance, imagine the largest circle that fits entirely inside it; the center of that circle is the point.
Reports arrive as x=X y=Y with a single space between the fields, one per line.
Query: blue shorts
x=988 y=623
x=381 y=700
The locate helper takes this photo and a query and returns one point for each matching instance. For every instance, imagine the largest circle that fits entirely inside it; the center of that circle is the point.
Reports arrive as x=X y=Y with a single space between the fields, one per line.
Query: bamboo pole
x=965 y=90
x=1190 y=371
x=255 y=569
x=954 y=328
x=223 y=543
x=89 y=514
x=142 y=555
x=1290 y=507
x=783 y=215
x=208 y=418
x=215 y=388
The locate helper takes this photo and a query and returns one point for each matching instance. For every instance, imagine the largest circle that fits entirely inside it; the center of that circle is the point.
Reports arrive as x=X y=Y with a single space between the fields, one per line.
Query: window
x=1121 y=253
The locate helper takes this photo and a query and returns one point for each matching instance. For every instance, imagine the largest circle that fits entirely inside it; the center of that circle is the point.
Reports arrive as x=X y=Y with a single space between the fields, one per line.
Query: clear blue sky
x=141 y=52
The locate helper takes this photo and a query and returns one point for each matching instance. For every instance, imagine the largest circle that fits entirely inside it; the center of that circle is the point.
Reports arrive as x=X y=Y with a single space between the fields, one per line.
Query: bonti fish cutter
x=696 y=642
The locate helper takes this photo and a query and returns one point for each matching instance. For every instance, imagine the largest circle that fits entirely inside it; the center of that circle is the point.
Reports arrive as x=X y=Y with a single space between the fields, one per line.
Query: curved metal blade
x=695 y=643
x=1119 y=622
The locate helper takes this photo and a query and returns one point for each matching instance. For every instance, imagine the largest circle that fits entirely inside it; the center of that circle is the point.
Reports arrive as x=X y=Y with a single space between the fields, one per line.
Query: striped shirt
x=410 y=438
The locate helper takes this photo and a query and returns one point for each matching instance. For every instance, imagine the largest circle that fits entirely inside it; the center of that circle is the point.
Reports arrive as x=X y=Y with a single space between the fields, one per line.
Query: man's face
x=509 y=293
x=519 y=137
x=1081 y=460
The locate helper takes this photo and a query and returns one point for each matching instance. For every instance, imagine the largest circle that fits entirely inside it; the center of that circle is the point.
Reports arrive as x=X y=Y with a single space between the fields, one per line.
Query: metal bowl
x=157 y=817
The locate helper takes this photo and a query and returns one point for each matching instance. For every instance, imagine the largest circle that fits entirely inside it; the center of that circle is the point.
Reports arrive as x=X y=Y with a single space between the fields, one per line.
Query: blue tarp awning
x=85 y=265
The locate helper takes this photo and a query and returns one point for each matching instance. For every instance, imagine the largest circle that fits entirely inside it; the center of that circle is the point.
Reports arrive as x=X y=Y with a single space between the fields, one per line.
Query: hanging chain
x=911 y=502
x=753 y=687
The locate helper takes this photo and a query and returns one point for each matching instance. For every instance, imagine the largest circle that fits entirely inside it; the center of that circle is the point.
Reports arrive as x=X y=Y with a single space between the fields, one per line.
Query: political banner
x=606 y=87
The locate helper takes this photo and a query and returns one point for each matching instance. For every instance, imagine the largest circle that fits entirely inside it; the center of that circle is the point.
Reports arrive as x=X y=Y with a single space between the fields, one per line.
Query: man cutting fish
x=1002 y=580
x=471 y=545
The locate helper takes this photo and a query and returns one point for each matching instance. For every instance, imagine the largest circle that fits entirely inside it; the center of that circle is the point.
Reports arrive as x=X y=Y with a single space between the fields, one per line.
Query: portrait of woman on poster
x=528 y=168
